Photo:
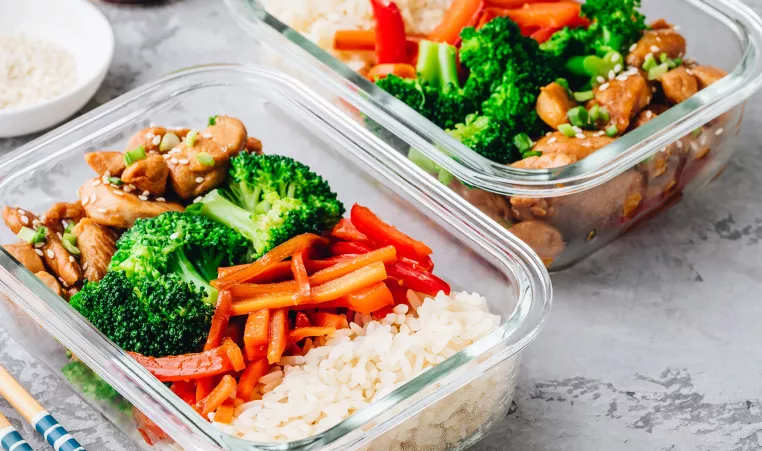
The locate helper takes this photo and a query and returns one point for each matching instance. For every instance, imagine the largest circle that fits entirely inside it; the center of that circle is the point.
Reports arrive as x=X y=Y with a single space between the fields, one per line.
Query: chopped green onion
x=612 y=131
x=650 y=62
x=136 y=154
x=563 y=82
x=190 y=139
x=32 y=236
x=534 y=153
x=205 y=159
x=69 y=227
x=604 y=114
x=567 y=130
x=595 y=113
x=578 y=116
x=115 y=180
x=168 y=142
x=212 y=120
x=663 y=57
x=71 y=247
x=658 y=71
x=523 y=142
x=584 y=96
x=696 y=133
x=677 y=62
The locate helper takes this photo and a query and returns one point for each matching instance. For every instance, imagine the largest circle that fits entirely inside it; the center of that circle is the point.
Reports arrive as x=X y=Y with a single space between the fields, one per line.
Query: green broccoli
x=153 y=316
x=436 y=93
x=269 y=199
x=79 y=375
x=187 y=245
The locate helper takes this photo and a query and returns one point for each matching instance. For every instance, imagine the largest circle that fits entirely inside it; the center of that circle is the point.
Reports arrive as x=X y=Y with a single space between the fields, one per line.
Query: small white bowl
x=80 y=28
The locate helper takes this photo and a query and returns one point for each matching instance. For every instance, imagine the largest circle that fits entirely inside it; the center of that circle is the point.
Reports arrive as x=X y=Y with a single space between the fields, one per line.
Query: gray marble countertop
x=653 y=343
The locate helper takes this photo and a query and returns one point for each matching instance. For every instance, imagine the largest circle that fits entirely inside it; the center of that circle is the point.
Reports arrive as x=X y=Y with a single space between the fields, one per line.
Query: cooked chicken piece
x=106 y=162
x=656 y=42
x=494 y=205
x=576 y=148
x=97 y=245
x=149 y=174
x=661 y=171
x=546 y=161
x=649 y=113
x=229 y=133
x=71 y=212
x=68 y=294
x=624 y=99
x=150 y=138
x=542 y=237
x=678 y=85
x=706 y=75
x=111 y=207
x=16 y=218
x=253 y=145
x=553 y=103
x=49 y=280
x=26 y=255
x=660 y=24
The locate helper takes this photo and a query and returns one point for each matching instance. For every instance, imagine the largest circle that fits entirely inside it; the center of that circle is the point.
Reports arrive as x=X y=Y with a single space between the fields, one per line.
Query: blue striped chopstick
x=10 y=439
x=43 y=422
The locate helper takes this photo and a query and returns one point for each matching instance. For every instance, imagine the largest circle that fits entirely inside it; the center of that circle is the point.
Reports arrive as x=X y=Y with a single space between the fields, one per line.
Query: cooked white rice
x=320 y=19
x=357 y=366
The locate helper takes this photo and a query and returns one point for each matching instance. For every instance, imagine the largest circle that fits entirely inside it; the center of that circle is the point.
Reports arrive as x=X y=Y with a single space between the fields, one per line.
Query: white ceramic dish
x=76 y=25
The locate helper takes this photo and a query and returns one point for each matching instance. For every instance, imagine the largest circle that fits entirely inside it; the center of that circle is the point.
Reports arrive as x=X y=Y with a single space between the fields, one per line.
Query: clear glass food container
x=449 y=407
x=567 y=213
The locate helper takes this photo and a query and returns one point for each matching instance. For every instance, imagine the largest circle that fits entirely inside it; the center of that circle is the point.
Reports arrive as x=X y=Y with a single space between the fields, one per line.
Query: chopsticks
x=36 y=415
x=10 y=438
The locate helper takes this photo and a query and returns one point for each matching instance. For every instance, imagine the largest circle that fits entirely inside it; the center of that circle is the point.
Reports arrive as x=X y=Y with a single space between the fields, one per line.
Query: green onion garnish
x=604 y=114
x=190 y=138
x=72 y=248
x=677 y=62
x=136 y=154
x=658 y=71
x=594 y=113
x=523 y=142
x=563 y=82
x=212 y=120
x=205 y=159
x=578 y=116
x=584 y=96
x=534 y=153
x=696 y=133
x=663 y=57
x=567 y=130
x=32 y=236
x=650 y=62
x=612 y=131
x=115 y=181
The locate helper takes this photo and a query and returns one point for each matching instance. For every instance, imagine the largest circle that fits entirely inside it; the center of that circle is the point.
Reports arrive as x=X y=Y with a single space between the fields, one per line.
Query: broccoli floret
x=269 y=199
x=485 y=136
x=153 y=316
x=616 y=24
x=567 y=42
x=79 y=375
x=189 y=246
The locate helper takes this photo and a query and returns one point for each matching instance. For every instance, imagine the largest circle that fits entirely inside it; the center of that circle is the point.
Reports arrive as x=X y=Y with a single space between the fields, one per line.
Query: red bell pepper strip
x=349 y=248
x=420 y=281
x=323 y=319
x=148 y=429
x=184 y=390
x=347 y=231
x=302 y=320
x=186 y=366
x=513 y=3
x=382 y=312
x=391 y=41
x=460 y=14
x=382 y=233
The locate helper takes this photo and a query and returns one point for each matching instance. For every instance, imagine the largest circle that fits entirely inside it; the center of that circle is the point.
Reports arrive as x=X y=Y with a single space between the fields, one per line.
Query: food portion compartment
x=422 y=328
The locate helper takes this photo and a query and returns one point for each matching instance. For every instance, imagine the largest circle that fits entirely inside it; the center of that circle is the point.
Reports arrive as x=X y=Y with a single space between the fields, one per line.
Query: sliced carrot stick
x=234 y=354
x=250 y=378
x=238 y=401
x=235 y=330
x=301 y=277
x=544 y=14
x=513 y=3
x=344 y=285
x=459 y=15
x=302 y=320
x=401 y=70
x=354 y=40
x=224 y=413
x=224 y=390
x=278 y=335
x=276 y=273
x=314 y=266
x=185 y=390
x=263 y=301
x=257 y=353
x=308 y=345
x=300 y=334
x=323 y=319
x=204 y=387
x=370 y=299
x=219 y=320
x=248 y=290
x=387 y=254
x=276 y=255
x=257 y=331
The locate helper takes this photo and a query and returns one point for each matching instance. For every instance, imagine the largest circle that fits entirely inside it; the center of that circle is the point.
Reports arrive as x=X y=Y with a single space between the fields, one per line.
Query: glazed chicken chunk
x=26 y=255
x=149 y=174
x=623 y=98
x=151 y=138
x=553 y=103
x=576 y=147
x=63 y=211
x=49 y=280
x=706 y=75
x=655 y=42
x=97 y=245
x=678 y=85
x=106 y=163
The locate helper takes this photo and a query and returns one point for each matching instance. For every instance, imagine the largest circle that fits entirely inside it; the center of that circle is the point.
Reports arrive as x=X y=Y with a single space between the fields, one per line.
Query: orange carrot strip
x=234 y=354
x=300 y=334
x=224 y=390
x=264 y=301
x=323 y=319
x=248 y=290
x=257 y=331
x=278 y=335
x=344 y=285
x=219 y=320
x=277 y=272
x=258 y=353
x=204 y=387
x=308 y=345
x=276 y=255
x=544 y=14
x=238 y=401
x=224 y=413
x=301 y=277
x=459 y=15
x=387 y=254
x=302 y=320
x=250 y=378
x=354 y=40
x=370 y=299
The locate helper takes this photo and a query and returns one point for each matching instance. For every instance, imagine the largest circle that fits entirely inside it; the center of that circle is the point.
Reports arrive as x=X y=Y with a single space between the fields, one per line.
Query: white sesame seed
x=655 y=49
x=679 y=144
x=585 y=144
x=633 y=47
x=131 y=186
x=101 y=210
x=96 y=183
x=85 y=265
x=658 y=38
x=146 y=193
x=43 y=218
x=114 y=185
x=622 y=77
x=603 y=87
x=65 y=224
x=612 y=75
x=719 y=131
x=207 y=135
x=39 y=245
x=580 y=136
x=600 y=79
x=127 y=189
x=702 y=140
x=689 y=72
x=552 y=140
x=93 y=198
x=58 y=234
x=24 y=220
x=174 y=236
x=600 y=133
x=71 y=258
x=35 y=222
x=156 y=140
x=161 y=199
x=149 y=136
x=618 y=68
x=63 y=282
x=107 y=174
x=199 y=180
x=21 y=212
x=50 y=253
x=118 y=193
x=173 y=160
x=615 y=58
x=649 y=114
x=197 y=200
x=166 y=156
x=548 y=133
x=676 y=27
x=39 y=252
x=224 y=148
x=577 y=129
x=184 y=161
x=694 y=145
x=143 y=197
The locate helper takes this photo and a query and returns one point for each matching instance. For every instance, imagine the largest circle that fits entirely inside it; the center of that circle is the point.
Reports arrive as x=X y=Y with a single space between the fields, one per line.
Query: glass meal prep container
x=449 y=407
x=566 y=213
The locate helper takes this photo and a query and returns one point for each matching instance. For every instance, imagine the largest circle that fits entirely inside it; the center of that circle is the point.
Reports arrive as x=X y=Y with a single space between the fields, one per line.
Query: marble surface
x=653 y=343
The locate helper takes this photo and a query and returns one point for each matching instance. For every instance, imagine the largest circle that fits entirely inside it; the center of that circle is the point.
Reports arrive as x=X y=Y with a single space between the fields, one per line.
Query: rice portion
x=320 y=19
x=357 y=366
